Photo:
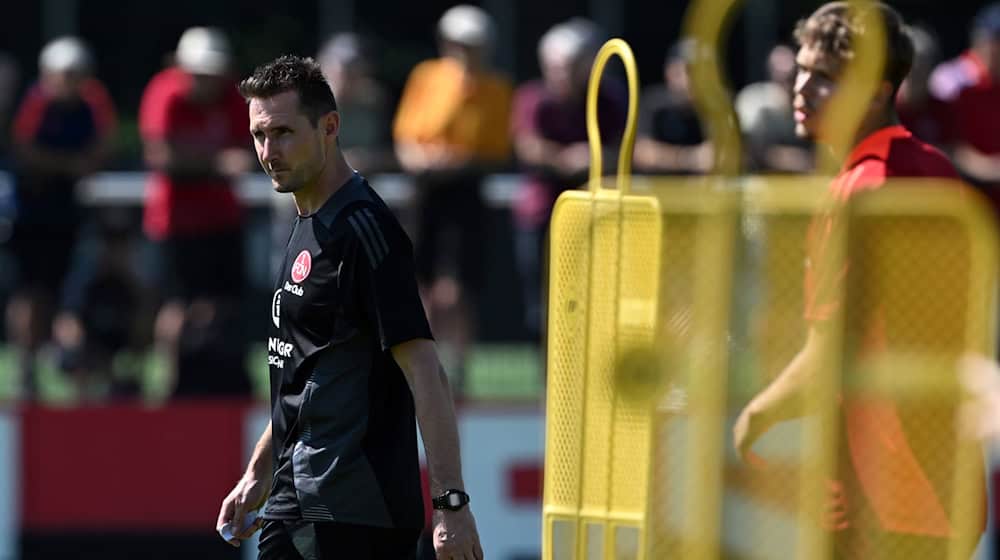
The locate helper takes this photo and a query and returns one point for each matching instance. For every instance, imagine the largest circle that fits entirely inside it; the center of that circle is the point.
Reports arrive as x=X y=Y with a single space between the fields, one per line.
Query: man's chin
x=804 y=132
x=282 y=187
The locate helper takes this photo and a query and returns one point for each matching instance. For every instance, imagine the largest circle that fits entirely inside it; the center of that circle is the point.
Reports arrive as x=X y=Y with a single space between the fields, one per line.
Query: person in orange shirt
x=451 y=128
x=873 y=515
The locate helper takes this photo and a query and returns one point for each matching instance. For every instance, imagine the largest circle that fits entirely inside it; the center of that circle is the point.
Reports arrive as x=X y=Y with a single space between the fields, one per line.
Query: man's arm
x=782 y=399
x=977 y=165
x=454 y=531
x=653 y=155
x=193 y=161
x=250 y=492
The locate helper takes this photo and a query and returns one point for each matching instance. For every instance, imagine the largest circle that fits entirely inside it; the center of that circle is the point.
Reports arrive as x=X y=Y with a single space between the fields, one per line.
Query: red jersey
x=191 y=206
x=976 y=109
x=904 y=480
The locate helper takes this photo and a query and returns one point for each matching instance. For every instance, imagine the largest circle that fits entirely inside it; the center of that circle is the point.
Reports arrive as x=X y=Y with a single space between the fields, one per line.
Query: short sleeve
x=386 y=290
x=494 y=141
x=103 y=108
x=407 y=123
x=158 y=109
x=823 y=281
x=29 y=115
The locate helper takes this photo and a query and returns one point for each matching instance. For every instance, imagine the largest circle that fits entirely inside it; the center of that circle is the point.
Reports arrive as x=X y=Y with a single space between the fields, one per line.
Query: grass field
x=495 y=371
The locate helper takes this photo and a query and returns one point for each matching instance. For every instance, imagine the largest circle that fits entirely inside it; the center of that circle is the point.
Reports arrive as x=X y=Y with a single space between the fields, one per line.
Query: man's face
x=290 y=148
x=62 y=85
x=815 y=84
x=206 y=88
x=557 y=71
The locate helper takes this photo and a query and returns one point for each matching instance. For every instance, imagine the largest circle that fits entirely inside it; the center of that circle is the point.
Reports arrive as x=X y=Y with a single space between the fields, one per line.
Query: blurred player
x=549 y=126
x=874 y=515
x=62 y=132
x=451 y=128
x=193 y=126
x=670 y=139
x=351 y=356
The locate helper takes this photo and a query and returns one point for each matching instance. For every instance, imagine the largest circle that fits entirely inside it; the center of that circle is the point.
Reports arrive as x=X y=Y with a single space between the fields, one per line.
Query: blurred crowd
x=77 y=298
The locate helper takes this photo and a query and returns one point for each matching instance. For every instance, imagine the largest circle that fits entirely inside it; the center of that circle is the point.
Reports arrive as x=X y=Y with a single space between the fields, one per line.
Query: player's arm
x=782 y=399
x=182 y=160
x=250 y=492
x=975 y=164
x=454 y=531
x=654 y=155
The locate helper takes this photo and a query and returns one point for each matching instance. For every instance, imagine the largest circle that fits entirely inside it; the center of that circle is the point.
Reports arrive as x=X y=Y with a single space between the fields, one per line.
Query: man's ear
x=330 y=123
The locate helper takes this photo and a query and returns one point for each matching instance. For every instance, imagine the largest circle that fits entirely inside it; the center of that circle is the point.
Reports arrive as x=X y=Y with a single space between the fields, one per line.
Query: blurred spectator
x=100 y=311
x=670 y=137
x=768 y=123
x=62 y=131
x=451 y=128
x=919 y=110
x=365 y=124
x=549 y=127
x=194 y=129
x=970 y=85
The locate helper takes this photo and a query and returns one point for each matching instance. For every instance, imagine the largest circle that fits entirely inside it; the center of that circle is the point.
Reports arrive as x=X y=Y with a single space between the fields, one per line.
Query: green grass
x=495 y=371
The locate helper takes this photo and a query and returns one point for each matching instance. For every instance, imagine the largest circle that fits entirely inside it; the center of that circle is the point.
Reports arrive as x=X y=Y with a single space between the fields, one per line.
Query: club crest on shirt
x=302 y=266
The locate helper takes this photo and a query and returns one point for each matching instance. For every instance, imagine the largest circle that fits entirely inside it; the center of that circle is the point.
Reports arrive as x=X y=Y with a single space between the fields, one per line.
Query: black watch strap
x=452 y=499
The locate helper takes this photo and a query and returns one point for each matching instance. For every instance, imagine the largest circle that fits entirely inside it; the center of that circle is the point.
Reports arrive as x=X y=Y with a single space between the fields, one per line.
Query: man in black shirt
x=353 y=366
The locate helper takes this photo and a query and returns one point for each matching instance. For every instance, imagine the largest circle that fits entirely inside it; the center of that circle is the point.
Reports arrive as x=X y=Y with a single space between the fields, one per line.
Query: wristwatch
x=452 y=499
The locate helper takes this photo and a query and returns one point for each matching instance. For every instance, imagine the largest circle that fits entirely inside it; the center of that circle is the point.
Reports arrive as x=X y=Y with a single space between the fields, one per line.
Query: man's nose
x=269 y=151
x=803 y=81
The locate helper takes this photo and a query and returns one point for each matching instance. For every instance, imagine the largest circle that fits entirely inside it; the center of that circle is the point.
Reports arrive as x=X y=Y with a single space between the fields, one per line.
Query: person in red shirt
x=193 y=125
x=62 y=132
x=873 y=515
x=975 y=105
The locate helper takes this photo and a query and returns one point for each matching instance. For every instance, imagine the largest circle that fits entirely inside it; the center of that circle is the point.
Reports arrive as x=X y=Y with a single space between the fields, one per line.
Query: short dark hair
x=833 y=27
x=292 y=73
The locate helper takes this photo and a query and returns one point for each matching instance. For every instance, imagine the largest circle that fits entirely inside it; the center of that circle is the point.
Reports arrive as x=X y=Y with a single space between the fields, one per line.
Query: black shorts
x=451 y=233
x=202 y=266
x=302 y=540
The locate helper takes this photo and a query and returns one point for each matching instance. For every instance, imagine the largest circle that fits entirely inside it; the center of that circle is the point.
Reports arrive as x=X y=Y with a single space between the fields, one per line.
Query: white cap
x=342 y=47
x=468 y=25
x=66 y=54
x=203 y=50
x=570 y=39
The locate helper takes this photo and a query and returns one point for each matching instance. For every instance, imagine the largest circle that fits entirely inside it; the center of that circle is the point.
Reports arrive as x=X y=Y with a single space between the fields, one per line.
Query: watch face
x=454 y=500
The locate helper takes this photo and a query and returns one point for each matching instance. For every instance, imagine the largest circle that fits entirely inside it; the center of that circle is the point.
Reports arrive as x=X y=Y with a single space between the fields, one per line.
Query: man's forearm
x=782 y=399
x=435 y=412
x=976 y=164
x=439 y=430
x=261 y=462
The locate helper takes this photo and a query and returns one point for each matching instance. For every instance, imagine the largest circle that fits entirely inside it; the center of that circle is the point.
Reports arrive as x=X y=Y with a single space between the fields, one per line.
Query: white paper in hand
x=227 y=530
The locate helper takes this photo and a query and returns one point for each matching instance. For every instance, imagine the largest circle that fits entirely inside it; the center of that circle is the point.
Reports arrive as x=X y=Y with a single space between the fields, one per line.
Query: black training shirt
x=343 y=425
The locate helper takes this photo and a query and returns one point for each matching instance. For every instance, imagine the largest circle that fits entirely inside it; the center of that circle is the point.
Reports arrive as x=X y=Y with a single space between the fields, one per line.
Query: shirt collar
x=876 y=145
x=346 y=194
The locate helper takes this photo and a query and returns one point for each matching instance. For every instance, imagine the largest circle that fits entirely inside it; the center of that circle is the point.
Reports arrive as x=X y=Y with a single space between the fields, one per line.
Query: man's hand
x=249 y=494
x=455 y=536
x=745 y=433
x=835 y=515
